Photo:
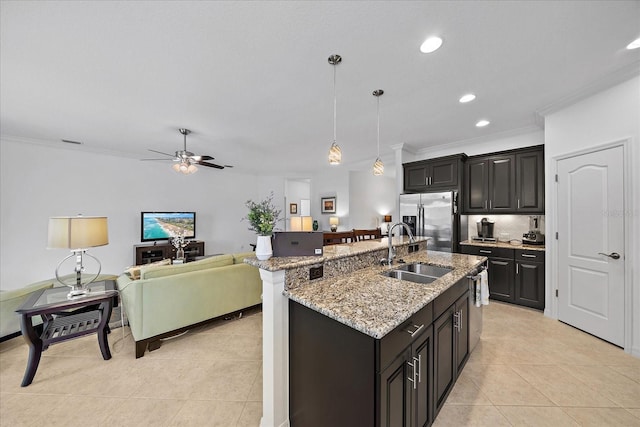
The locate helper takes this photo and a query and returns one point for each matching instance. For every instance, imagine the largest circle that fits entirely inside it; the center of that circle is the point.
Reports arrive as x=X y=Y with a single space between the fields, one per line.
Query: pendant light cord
x=378 y=125
x=334 y=103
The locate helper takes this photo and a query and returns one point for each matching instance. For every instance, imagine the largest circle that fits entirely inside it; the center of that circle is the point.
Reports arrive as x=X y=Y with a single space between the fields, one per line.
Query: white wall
x=39 y=182
x=332 y=182
x=371 y=197
x=609 y=116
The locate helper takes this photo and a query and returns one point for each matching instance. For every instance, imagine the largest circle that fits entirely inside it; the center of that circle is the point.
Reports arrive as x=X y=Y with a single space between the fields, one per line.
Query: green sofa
x=169 y=299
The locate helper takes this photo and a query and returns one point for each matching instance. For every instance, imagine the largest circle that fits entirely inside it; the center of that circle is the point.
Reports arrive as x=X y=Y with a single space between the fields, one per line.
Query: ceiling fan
x=186 y=161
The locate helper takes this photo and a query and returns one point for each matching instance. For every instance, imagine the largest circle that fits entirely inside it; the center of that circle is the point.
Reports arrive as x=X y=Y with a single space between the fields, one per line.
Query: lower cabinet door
x=501 y=272
x=462 y=331
x=530 y=284
x=444 y=371
x=396 y=392
x=422 y=354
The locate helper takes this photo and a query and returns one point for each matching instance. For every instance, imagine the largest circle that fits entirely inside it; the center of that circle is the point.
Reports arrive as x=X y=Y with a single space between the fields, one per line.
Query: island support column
x=275 y=350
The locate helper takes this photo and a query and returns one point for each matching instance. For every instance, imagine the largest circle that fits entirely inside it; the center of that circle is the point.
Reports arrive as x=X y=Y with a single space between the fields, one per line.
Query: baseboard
x=10 y=336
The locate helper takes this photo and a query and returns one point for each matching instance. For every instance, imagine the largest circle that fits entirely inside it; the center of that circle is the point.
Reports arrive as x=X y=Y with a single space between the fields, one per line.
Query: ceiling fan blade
x=211 y=165
x=160 y=152
x=200 y=158
x=162 y=160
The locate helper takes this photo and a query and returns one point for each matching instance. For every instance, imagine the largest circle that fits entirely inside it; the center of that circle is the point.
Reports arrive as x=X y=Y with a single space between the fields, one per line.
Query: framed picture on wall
x=328 y=205
x=293 y=208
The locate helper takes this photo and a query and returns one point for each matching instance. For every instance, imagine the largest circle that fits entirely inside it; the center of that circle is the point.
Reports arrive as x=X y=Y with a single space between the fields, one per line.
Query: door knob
x=612 y=255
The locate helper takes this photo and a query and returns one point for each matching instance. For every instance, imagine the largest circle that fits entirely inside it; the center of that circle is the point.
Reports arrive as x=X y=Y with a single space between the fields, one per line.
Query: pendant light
x=335 y=154
x=378 y=166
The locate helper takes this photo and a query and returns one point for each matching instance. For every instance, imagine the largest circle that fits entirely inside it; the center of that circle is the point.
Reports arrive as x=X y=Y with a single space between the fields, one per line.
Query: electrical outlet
x=315 y=272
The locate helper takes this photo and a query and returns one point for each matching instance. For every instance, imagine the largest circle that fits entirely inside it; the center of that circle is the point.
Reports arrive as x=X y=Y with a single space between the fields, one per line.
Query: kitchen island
x=353 y=295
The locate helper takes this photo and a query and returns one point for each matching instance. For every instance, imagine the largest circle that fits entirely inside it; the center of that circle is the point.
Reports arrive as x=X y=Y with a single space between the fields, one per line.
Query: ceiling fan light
x=378 y=167
x=176 y=167
x=192 y=169
x=335 y=154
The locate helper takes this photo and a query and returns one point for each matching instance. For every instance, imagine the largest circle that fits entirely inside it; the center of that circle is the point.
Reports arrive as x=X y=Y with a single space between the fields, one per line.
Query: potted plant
x=262 y=218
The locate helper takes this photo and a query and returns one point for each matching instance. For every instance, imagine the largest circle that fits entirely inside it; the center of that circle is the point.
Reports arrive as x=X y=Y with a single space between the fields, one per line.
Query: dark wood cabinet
x=405 y=386
x=501 y=279
x=341 y=377
x=514 y=275
x=529 y=282
x=450 y=348
x=443 y=173
x=530 y=182
x=145 y=254
x=490 y=184
x=507 y=182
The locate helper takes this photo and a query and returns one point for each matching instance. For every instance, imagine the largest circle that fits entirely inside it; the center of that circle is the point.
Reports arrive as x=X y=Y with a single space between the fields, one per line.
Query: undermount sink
x=409 y=276
x=425 y=269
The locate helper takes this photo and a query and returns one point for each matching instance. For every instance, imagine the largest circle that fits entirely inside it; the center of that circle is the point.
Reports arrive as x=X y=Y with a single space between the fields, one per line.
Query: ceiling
x=252 y=81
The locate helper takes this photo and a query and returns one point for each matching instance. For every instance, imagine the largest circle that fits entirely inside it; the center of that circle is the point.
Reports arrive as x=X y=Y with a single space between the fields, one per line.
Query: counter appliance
x=435 y=215
x=533 y=236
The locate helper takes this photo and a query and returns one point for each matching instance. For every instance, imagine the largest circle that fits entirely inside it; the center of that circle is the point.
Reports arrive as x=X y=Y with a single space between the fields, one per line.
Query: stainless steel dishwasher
x=475 y=307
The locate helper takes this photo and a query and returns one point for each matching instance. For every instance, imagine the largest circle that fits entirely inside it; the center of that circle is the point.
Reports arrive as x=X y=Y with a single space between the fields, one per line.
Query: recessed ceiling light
x=634 y=44
x=482 y=123
x=431 y=45
x=467 y=98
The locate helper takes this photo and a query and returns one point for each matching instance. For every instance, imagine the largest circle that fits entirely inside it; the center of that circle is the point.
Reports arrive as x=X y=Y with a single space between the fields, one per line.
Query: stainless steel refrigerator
x=435 y=215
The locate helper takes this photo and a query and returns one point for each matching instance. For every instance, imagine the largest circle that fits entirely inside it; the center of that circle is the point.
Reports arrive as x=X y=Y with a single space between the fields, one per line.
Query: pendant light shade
x=378 y=166
x=335 y=153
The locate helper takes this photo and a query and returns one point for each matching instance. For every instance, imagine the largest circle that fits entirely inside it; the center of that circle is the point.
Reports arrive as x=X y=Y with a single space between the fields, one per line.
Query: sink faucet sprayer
x=392 y=252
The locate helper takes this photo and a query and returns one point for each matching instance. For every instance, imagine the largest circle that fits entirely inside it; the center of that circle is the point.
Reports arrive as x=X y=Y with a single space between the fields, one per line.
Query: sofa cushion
x=239 y=257
x=169 y=270
x=134 y=271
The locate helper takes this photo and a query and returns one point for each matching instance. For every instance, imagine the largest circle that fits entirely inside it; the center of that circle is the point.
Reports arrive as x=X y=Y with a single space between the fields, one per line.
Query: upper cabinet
x=530 y=181
x=431 y=175
x=510 y=182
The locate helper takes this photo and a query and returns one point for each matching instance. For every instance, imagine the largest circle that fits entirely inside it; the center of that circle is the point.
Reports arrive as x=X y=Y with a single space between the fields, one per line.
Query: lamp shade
x=387 y=218
x=295 y=223
x=307 y=223
x=76 y=232
x=333 y=220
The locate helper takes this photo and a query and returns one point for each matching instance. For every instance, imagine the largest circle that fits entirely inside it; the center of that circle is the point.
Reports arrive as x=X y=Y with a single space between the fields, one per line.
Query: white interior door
x=591 y=243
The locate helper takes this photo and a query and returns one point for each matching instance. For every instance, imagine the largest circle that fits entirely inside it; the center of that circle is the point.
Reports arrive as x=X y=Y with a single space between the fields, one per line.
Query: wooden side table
x=65 y=319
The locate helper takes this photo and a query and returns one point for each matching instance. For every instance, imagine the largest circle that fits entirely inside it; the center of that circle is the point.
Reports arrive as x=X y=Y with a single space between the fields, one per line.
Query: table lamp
x=333 y=222
x=78 y=233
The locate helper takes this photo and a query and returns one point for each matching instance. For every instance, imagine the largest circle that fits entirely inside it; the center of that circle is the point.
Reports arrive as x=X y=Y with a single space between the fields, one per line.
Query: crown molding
x=620 y=76
x=485 y=138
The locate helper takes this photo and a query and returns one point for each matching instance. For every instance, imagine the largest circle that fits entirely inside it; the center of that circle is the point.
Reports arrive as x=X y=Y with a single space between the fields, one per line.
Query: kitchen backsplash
x=507 y=227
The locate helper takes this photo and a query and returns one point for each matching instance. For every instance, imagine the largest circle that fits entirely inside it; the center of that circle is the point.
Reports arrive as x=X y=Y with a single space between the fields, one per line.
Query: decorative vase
x=263 y=248
x=179 y=253
x=315 y=225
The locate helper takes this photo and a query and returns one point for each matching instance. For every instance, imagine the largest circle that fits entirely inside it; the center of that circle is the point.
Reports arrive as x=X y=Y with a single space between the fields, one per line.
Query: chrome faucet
x=392 y=252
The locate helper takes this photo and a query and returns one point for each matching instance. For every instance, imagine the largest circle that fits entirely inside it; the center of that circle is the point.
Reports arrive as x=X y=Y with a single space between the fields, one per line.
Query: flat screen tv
x=165 y=225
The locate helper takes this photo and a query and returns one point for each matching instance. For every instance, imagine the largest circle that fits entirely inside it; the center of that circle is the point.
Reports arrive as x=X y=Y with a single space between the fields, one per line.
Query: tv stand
x=147 y=253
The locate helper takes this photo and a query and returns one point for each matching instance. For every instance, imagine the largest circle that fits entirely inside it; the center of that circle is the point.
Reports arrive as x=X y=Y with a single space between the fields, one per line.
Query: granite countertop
x=331 y=252
x=507 y=245
x=374 y=304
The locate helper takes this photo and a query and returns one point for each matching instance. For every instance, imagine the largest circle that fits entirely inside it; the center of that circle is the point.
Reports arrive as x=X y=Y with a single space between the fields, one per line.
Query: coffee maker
x=533 y=236
x=485 y=230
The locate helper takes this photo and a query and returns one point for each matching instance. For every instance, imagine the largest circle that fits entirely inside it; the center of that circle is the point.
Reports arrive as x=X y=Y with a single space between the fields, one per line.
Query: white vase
x=263 y=248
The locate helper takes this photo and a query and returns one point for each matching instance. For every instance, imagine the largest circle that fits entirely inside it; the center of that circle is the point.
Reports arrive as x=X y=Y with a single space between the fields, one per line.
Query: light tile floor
x=527 y=371
x=211 y=376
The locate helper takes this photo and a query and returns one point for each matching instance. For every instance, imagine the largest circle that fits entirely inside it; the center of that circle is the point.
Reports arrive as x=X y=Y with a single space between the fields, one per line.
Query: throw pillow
x=134 y=271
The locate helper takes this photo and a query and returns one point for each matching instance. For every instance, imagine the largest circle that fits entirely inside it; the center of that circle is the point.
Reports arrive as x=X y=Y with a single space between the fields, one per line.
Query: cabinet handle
x=413 y=375
x=489 y=204
x=517 y=268
x=528 y=256
x=418 y=328
x=426 y=180
x=456 y=320
x=518 y=203
x=485 y=204
x=419 y=361
x=483 y=251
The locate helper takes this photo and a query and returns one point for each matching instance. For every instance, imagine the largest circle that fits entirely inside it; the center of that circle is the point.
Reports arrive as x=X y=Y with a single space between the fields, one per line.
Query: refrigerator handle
x=454 y=205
